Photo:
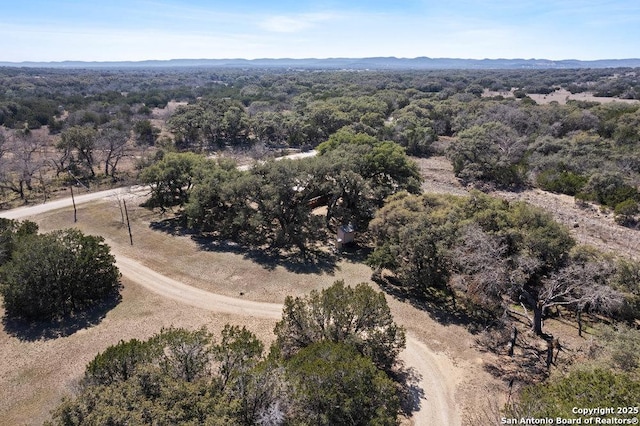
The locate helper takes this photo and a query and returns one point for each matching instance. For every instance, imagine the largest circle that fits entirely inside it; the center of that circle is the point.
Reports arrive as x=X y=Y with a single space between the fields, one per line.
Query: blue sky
x=113 y=30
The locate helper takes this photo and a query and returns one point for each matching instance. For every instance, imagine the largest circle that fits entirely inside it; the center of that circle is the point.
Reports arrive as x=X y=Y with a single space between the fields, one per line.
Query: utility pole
x=73 y=200
x=128 y=223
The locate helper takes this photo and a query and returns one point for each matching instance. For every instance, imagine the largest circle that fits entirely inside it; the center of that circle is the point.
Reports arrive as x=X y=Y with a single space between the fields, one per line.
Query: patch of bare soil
x=588 y=224
x=560 y=96
x=438 y=176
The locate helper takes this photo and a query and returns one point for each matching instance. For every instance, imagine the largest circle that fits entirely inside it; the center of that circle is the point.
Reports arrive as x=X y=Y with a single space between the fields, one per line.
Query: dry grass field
x=36 y=371
x=561 y=96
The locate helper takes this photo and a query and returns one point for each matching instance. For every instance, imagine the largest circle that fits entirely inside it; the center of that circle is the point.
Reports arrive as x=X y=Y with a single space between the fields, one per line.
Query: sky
x=135 y=30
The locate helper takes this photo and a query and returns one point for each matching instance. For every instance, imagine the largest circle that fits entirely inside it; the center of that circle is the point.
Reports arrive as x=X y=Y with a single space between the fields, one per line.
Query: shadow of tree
x=175 y=226
x=438 y=304
x=313 y=261
x=32 y=330
x=411 y=394
x=526 y=365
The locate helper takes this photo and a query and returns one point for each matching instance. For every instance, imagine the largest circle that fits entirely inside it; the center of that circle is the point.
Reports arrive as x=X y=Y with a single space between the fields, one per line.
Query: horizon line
x=325 y=58
x=382 y=63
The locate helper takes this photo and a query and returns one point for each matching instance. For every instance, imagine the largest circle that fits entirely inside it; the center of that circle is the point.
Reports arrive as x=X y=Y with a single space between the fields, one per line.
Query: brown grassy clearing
x=560 y=96
x=35 y=375
x=48 y=369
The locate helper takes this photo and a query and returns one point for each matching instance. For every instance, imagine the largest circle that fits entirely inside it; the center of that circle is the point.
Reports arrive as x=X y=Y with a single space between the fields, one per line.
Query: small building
x=346 y=234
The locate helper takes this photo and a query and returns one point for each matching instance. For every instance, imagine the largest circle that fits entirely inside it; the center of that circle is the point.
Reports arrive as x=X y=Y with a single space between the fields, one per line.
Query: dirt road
x=296 y=156
x=192 y=296
x=24 y=212
x=436 y=407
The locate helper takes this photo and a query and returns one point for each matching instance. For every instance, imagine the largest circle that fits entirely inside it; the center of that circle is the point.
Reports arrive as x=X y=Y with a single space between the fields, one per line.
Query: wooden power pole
x=73 y=200
x=126 y=212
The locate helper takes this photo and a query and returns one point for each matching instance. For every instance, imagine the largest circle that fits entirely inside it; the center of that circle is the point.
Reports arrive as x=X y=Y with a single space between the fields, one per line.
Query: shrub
x=561 y=181
x=580 y=388
x=334 y=385
x=58 y=274
x=626 y=211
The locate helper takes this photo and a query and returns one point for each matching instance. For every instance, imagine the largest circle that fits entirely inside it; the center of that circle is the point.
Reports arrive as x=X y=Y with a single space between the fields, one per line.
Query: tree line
x=34 y=96
x=586 y=150
x=582 y=148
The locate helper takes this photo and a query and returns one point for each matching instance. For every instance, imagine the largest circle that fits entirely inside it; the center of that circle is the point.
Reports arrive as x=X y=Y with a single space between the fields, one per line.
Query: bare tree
x=583 y=286
x=22 y=156
x=490 y=279
x=112 y=142
x=480 y=260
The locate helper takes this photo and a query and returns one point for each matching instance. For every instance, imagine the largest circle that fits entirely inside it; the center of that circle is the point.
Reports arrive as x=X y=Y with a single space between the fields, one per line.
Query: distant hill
x=378 y=63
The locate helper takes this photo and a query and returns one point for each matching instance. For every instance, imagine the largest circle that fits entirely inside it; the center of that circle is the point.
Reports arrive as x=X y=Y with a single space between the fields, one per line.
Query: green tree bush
x=588 y=387
x=57 y=274
x=357 y=316
x=626 y=212
x=608 y=189
x=172 y=178
x=490 y=152
x=175 y=377
x=77 y=145
x=332 y=384
x=561 y=181
x=10 y=232
x=182 y=377
x=119 y=362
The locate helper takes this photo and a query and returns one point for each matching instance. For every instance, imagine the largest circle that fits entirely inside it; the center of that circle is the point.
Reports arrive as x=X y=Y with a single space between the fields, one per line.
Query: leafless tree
x=22 y=156
x=491 y=279
x=583 y=286
x=112 y=142
x=479 y=259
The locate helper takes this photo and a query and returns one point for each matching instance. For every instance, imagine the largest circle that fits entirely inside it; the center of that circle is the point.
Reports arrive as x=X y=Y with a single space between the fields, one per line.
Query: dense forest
x=582 y=148
x=493 y=264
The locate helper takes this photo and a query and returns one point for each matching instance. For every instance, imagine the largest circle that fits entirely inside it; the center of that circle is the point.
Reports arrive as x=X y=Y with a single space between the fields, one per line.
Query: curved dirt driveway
x=436 y=407
x=192 y=296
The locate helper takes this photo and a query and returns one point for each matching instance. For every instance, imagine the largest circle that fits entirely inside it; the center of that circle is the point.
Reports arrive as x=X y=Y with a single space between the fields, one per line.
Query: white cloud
x=294 y=23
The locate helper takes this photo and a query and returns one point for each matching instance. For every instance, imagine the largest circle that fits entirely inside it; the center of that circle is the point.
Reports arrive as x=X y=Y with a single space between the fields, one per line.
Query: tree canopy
x=490 y=252
x=57 y=274
x=180 y=376
x=357 y=316
x=335 y=385
x=587 y=387
x=273 y=202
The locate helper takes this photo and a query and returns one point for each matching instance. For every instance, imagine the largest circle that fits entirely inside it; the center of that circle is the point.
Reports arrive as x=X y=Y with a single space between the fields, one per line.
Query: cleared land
x=172 y=279
x=162 y=262
x=561 y=96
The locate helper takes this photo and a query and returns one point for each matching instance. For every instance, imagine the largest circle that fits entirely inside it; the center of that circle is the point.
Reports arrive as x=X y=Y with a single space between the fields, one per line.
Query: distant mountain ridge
x=374 y=63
